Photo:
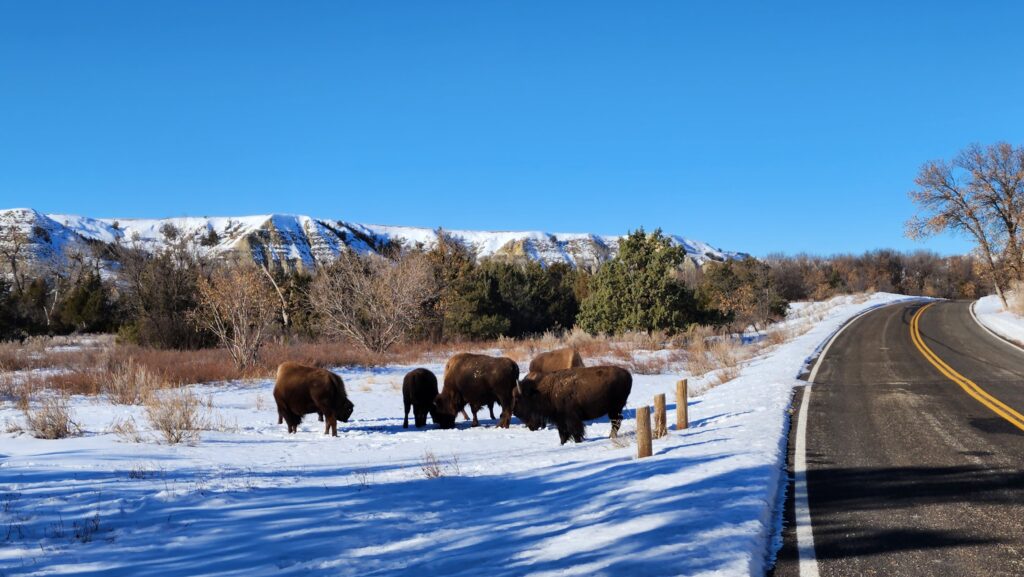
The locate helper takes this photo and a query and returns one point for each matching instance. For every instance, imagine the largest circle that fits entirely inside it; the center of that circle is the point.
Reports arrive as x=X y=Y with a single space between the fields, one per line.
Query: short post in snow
x=660 y=417
x=682 y=410
x=643 y=432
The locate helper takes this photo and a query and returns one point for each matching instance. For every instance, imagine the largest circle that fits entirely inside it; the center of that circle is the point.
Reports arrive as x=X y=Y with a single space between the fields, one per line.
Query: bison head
x=525 y=403
x=443 y=413
x=345 y=410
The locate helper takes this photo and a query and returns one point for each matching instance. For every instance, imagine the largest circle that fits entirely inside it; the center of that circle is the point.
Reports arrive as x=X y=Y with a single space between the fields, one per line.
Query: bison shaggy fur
x=569 y=397
x=301 y=390
x=476 y=380
x=556 y=360
x=419 y=391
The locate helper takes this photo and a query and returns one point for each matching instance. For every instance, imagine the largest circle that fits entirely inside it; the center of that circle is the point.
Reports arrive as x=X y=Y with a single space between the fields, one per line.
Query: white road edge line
x=808 y=566
x=998 y=336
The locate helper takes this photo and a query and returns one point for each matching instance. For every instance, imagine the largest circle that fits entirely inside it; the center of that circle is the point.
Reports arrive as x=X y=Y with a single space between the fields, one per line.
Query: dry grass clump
x=433 y=468
x=723 y=376
x=126 y=430
x=177 y=415
x=130 y=383
x=326 y=354
x=52 y=419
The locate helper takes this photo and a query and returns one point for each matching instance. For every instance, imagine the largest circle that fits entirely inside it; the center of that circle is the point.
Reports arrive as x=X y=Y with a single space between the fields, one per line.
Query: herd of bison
x=558 y=390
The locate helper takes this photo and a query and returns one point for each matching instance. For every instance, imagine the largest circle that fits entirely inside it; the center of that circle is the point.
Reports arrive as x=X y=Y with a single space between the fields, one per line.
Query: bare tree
x=979 y=194
x=238 y=306
x=371 y=300
x=14 y=249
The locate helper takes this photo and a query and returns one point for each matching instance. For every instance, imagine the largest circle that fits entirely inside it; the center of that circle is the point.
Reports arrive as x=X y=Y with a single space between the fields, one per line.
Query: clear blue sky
x=756 y=126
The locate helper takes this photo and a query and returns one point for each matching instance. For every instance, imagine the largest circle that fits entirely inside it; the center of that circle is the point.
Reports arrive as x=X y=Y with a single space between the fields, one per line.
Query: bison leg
x=490 y=407
x=570 y=427
x=320 y=417
x=465 y=416
x=331 y=424
x=405 y=423
x=476 y=422
x=616 y=419
x=506 y=418
x=421 y=417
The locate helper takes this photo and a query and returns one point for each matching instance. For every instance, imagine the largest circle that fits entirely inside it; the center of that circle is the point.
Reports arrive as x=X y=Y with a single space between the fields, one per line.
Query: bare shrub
x=373 y=301
x=177 y=415
x=130 y=383
x=126 y=430
x=238 y=306
x=52 y=419
x=433 y=468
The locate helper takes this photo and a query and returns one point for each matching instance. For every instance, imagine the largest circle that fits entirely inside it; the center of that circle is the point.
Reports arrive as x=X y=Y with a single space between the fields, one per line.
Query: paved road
x=908 y=472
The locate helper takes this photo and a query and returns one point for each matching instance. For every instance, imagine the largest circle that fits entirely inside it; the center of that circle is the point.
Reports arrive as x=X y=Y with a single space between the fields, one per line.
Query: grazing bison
x=301 y=390
x=556 y=360
x=477 y=380
x=571 y=396
x=419 y=391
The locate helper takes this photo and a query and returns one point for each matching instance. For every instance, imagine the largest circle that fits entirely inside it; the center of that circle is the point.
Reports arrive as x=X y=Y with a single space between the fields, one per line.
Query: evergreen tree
x=87 y=306
x=640 y=289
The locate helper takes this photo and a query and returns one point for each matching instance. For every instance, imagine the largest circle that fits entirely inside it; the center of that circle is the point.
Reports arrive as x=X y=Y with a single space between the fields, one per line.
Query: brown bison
x=419 y=391
x=476 y=380
x=301 y=390
x=571 y=396
x=556 y=360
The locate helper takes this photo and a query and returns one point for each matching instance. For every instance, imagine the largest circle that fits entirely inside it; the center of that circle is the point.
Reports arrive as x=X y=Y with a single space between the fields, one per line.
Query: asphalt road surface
x=914 y=450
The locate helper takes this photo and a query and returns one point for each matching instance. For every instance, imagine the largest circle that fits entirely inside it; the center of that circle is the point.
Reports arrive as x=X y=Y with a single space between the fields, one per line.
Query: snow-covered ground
x=997 y=319
x=252 y=500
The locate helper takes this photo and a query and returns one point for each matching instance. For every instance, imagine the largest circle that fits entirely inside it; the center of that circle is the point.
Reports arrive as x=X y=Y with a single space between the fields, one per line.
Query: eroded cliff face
x=302 y=243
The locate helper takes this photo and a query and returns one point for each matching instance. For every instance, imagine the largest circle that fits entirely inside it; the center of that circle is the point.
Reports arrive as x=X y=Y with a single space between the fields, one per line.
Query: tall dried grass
x=130 y=383
x=51 y=419
x=177 y=415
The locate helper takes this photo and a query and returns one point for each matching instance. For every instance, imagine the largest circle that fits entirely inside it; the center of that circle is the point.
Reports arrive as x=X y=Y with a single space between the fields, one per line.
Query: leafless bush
x=52 y=419
x=433 y=468
x=373 y=301
x=130 y=383
x=177 y=415
x=126 y=430
x=238 y=306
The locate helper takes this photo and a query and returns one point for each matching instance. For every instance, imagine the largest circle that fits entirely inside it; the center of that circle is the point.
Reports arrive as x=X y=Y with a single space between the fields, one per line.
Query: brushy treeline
x=175 y=298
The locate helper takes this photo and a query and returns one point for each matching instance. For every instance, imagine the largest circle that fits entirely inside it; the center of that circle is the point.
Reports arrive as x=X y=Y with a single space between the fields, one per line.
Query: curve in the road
x=906 y=474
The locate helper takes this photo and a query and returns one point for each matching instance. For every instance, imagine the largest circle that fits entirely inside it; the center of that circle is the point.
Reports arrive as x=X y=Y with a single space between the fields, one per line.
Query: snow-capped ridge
x=304 y=242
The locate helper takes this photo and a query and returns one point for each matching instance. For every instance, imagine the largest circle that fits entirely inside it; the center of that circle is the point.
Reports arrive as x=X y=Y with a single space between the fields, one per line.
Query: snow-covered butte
x=304 y=242
x=252 y=500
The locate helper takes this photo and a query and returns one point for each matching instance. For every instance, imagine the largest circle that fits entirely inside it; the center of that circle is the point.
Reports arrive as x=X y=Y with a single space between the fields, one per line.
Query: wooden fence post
x=660 y=418
x=643 y=432
x=682 y=409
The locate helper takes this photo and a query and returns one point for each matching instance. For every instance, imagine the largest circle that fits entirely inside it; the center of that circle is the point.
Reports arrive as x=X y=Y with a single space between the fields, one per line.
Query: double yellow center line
x=971 y=388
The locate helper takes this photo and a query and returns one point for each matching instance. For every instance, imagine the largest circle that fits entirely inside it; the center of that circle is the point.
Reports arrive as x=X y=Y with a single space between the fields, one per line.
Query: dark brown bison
x=419 y=391
x=571 y=396
x=556 y=360
x=476 y=380
x=301 y=390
